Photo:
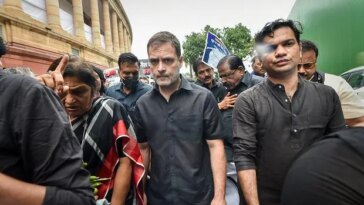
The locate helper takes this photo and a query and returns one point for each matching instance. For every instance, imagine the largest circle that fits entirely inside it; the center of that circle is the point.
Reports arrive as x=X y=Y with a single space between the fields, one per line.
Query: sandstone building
x=38 y=31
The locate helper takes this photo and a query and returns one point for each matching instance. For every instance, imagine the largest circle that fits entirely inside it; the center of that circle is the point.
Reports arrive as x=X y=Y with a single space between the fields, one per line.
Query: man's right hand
x=54 y=79
x=228 y=101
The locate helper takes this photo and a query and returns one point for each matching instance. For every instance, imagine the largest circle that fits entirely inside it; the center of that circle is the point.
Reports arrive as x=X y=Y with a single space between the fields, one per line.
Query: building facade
x=37 y=32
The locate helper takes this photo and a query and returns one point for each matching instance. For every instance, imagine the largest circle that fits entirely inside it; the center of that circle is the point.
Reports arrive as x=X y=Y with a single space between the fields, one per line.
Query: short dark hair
x=128 y=58
x=165 y=37
x=270 y=27
x=100 y=73
x=233 y=60
x=197 y=63
x=2 y=47
x=82 y=71
x=309 y=46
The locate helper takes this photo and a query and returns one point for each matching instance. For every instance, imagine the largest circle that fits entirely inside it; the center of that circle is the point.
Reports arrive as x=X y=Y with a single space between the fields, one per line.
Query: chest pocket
x=189 y=127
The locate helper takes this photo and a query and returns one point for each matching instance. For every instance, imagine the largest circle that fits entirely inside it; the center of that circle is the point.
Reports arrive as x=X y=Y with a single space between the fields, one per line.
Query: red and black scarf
x=106 y=134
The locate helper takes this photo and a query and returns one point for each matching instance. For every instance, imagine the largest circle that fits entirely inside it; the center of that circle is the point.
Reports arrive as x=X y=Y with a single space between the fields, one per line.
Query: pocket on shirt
x=189 y=127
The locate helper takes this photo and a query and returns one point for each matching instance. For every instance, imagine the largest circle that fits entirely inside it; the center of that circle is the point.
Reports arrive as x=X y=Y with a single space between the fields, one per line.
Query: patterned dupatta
x=106 y=134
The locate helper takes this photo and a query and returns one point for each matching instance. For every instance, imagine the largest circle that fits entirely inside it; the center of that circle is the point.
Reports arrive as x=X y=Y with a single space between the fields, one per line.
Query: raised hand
x=54 y=79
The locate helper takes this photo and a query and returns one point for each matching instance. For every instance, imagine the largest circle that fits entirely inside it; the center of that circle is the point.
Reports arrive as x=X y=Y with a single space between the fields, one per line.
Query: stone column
x=125 y=40
x=107 y=27
x=121 y=37
x=14 y=4
x=95 y=21
x=53 y=20
x=115 y=36
x=78 y=18
x=128 y=43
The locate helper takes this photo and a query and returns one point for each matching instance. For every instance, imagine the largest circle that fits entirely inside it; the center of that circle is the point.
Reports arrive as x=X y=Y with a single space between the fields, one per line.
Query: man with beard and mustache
x=234 y=77
x=129 y=90
x=178 y=127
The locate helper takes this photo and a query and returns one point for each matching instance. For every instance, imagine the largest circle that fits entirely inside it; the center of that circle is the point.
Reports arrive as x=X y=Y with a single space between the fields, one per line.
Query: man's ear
x=300 y=50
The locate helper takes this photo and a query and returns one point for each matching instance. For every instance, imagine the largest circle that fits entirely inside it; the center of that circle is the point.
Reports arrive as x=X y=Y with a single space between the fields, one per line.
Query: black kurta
x=269 y=130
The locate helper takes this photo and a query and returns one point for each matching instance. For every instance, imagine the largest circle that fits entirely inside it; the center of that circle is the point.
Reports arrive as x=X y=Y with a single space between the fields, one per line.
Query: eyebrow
x=79 y=87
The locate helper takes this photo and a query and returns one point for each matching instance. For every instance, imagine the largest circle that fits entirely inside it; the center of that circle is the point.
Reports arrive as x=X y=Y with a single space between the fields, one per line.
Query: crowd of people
x=291 y=133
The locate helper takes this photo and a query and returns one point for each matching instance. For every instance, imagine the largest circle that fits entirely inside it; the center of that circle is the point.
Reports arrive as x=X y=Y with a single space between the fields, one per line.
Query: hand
x=218 y=201
x=54 y=79
x=228 y=101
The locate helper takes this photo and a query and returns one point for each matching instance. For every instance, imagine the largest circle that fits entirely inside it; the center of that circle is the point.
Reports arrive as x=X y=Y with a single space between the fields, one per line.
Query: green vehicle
x=337 y=28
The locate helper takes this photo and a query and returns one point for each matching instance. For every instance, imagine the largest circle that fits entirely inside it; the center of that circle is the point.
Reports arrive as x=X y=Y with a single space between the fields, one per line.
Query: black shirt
x=217 y=89
x=269 y=130
x=176 y=132
x=37 y=144
x=331 y=171
x=246 y=82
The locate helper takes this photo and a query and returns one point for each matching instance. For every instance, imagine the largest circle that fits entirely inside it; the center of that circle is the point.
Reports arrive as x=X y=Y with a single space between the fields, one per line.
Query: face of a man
x=205 y=74
x=230 y=78
x=128 y=70
x=257 y=67
x=307 y=67
x=78 y=100
x=281 y=53
x=164 y=64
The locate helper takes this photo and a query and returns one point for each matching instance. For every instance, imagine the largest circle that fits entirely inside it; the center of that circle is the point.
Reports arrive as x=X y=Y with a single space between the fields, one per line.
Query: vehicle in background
x=355 y=77
x=111 y=76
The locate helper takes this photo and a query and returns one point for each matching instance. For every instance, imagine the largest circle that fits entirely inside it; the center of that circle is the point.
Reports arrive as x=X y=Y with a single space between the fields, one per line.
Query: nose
x=300 y=69
x=160 y=67
x=205 y=74
x=281 y=51
x=69 y=99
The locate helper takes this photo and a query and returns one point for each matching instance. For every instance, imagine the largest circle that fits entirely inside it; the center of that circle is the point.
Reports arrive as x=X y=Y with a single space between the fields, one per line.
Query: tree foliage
x=237 y=39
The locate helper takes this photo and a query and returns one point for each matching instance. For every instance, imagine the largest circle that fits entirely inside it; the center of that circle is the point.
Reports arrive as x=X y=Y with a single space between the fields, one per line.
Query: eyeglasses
x=306 y=65
x=165 y=61
x=226 y=75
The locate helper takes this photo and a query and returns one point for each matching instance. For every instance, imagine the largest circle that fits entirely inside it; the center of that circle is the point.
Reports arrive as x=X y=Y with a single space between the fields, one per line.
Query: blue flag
x=214 y=50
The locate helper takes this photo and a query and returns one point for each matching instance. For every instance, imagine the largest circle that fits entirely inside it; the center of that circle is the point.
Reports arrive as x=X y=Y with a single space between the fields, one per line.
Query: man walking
x=277 y=119
x=178 y=127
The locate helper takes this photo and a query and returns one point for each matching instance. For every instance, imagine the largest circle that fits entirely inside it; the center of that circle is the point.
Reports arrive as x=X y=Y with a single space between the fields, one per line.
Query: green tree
x=237 y=39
